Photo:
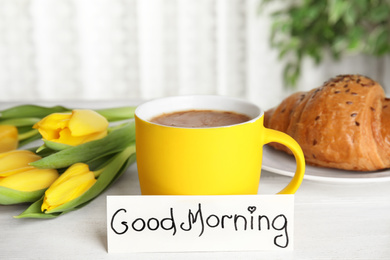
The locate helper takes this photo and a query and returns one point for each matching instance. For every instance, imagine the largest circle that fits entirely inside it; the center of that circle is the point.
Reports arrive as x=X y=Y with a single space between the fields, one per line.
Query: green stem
x=27 y=134
x=117 y=113
x=125 y=154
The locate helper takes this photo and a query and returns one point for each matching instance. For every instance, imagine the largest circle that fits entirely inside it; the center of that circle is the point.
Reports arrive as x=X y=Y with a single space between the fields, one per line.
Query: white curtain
x=143 y=49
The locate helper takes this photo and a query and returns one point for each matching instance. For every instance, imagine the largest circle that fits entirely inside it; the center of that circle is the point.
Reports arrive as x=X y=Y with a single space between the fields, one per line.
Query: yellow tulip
x=16 y=174
x=8 y=138
x=74 y=182
x=80 y=126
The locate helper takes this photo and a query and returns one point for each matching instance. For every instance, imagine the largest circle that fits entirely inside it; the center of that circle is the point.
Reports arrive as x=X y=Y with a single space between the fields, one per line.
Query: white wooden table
x=332 y=221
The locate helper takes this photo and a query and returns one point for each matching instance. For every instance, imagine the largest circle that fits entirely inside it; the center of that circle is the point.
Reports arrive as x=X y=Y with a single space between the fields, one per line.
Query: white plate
x=281 y=163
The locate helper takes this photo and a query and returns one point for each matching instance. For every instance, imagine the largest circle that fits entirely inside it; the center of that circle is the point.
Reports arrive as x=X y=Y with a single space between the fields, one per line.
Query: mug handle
x=271 y=135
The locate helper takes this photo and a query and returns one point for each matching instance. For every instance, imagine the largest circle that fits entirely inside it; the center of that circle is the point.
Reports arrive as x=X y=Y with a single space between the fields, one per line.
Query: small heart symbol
x=251 y=209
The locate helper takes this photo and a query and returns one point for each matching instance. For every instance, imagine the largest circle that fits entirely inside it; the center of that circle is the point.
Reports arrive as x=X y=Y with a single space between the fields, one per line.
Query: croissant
x=344 y=124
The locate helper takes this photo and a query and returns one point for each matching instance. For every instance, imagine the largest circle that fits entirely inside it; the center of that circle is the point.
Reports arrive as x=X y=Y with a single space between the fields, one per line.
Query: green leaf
x=350 y=16
x=336 y=10
x=378 y=41
x=339 y=44
x=115 y=141
x=338 y=26
x=26 y=111
x=355 y=38
x=55 y=145
x=379 y=14
x=34 y=211
x=291 y=73
x=10 y=196
x=361 y=4
x=20 y=121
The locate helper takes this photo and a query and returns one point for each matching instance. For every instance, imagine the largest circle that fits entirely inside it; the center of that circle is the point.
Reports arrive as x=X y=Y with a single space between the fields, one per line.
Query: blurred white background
x=143 y=49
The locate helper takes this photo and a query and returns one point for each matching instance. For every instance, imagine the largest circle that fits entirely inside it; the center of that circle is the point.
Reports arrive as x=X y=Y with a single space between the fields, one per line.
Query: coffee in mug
x=200 y=118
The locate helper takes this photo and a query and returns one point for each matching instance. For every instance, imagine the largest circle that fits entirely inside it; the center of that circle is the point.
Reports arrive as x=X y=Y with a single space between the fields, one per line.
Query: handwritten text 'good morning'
x=200 y=221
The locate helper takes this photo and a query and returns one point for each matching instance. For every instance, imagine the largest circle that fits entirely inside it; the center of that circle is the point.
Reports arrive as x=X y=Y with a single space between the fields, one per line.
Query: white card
x=200 y=223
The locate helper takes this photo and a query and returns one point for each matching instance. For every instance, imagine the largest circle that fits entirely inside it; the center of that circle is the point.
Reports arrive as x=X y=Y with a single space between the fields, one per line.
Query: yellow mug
x=205 y=161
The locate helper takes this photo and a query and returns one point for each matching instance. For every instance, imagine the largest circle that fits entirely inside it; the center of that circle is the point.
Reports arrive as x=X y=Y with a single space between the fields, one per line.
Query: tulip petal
x=16 y=159
x=50 y=126
x=76 y=180
x=66 y=137
x=54 y=121
x=8 y=138
x=72 y=171
x=2 y=155
x=96 y=136
x=74 y=128
x=70 y=190
x=31 y=180
x=85 y=122
x=15 y=171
